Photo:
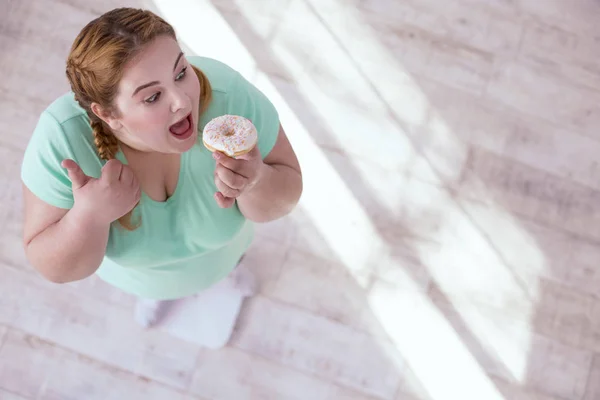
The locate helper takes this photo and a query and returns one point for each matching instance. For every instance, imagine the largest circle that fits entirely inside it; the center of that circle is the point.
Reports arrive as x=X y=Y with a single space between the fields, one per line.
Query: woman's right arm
x=63 y=245
x=69 y=245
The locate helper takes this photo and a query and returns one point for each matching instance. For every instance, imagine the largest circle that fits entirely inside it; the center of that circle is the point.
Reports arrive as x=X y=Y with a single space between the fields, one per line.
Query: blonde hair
x=96 y=63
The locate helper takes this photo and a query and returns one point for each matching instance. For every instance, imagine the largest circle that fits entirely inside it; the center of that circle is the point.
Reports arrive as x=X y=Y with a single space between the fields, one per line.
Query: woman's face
x=158 y=100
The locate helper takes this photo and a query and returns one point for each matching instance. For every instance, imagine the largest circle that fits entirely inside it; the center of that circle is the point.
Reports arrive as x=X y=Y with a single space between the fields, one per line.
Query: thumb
x=78 y=178
x=251 y=155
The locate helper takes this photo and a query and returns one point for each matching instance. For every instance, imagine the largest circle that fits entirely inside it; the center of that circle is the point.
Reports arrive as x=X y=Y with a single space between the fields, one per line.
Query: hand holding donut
x=234 y=176
x=233 y=139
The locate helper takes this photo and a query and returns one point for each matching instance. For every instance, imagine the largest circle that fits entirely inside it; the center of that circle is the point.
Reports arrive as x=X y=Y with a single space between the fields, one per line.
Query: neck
x=132 y=153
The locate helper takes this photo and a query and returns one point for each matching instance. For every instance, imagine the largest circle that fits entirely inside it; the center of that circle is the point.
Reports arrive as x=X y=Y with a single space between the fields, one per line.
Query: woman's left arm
x=265 y=190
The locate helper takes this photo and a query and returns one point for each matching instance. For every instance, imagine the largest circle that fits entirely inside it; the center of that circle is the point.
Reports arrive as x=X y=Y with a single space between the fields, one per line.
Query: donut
x=230 y=134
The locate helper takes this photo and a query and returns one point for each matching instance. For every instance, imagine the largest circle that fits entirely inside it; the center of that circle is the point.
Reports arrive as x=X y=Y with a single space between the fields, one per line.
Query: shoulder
x=63 y=120
x=71 y=118
x=63 y=124
x=65 y=108
x=62 y=132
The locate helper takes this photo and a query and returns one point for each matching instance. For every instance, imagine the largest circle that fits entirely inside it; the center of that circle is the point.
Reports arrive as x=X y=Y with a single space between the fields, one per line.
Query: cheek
x=156 y=116
x=147 y=119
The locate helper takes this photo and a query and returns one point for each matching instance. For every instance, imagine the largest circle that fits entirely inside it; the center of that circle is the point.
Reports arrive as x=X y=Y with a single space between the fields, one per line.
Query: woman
x=116 y=182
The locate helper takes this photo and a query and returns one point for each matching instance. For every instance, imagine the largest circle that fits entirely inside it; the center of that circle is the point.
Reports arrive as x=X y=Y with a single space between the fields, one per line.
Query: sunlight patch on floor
x=197 y=23
x=471 y=259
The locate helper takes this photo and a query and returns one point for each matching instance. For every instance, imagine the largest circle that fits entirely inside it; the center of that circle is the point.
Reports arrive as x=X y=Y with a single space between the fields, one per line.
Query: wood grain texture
x=450 y=158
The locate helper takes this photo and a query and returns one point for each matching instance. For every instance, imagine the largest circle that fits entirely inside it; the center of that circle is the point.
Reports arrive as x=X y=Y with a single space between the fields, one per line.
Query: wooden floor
x=447 y=245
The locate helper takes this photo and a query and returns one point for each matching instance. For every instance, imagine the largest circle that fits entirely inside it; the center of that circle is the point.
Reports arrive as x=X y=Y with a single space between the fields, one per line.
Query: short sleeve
x=41 y=171
x=248 y=101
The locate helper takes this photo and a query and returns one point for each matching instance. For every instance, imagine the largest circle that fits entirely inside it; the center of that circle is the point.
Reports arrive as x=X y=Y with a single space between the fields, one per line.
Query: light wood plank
x=348 y=394
x=514 y=351
x=593 y=385
x=509 y=133
x=568 y=316
x=26 y=363
x=93 y=327
x=515 y=391
x=544 y=94
x=531 y=193
x=232 y=373
x=3 y=331
x=18 y=117
x=324 y=288
x=558 y=370
x=334 y=291
x=12 y=251
x=513 y=243
x=37 y=368
x=480 y=27
x=319 y=346
x=549 y=277
x=265 y=258
x=533 y=250
x=4 y=395
x=460 y=66
x=81 y=377
x=567 y=52
x=578 y=13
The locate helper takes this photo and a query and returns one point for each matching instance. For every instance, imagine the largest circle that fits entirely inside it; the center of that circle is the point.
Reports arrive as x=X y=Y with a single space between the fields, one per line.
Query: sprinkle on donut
x=230 y=134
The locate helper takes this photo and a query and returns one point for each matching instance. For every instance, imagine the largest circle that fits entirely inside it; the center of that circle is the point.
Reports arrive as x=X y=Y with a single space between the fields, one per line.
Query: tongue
x=181 y=127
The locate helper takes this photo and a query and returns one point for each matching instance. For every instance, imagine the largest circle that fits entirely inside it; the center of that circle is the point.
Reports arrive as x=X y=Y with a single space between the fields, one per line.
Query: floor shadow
x=508 y=182
x=554 y=207
x=319 y=128
x=519 y=188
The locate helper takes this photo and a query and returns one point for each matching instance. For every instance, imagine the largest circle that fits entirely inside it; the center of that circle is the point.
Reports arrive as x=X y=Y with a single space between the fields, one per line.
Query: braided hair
x=96 y=64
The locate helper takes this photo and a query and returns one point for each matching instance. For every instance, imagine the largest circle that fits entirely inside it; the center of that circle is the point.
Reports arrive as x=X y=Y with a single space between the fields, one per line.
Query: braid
x=107 y=146
x=96 y=63
x=106 y=143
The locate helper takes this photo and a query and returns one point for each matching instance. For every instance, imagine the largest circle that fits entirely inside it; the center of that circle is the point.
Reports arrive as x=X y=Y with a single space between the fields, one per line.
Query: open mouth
x=183 y=128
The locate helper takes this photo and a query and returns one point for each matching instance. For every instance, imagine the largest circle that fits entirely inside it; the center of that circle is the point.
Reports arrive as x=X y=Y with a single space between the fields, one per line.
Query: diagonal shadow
x=534 y=194
x=318 y=127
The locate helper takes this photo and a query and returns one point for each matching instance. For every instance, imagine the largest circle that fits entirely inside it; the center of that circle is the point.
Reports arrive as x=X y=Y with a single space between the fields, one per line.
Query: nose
x=179 y=101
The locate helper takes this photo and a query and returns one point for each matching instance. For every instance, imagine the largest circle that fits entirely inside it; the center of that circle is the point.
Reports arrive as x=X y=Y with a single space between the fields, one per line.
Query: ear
x=106 y=116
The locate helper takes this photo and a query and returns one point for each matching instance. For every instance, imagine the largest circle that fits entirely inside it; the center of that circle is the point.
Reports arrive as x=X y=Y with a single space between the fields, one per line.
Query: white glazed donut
x=230 y=134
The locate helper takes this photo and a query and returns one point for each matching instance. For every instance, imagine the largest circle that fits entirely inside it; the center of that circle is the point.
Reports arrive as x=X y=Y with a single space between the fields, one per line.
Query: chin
x=183 y=146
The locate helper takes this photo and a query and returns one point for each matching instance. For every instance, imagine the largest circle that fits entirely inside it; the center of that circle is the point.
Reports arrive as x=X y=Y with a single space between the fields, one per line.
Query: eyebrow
x=145 y=85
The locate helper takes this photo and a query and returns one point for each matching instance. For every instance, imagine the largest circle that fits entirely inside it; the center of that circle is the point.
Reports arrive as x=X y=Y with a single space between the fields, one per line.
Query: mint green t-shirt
x=184 y=244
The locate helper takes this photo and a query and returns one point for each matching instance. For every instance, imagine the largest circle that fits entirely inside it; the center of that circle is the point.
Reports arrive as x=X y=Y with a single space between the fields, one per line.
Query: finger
x=78 y=178
x=111 y=171
x=230 y=178
x=253 y=154
x=224 y=202
x=226 y=190
x=238 y=166
x=224 y=159
x=127 y=175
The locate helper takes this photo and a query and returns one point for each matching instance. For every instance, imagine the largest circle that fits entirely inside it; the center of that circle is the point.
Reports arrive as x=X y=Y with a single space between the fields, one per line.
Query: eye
x=152 y=98
x=181 y=75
